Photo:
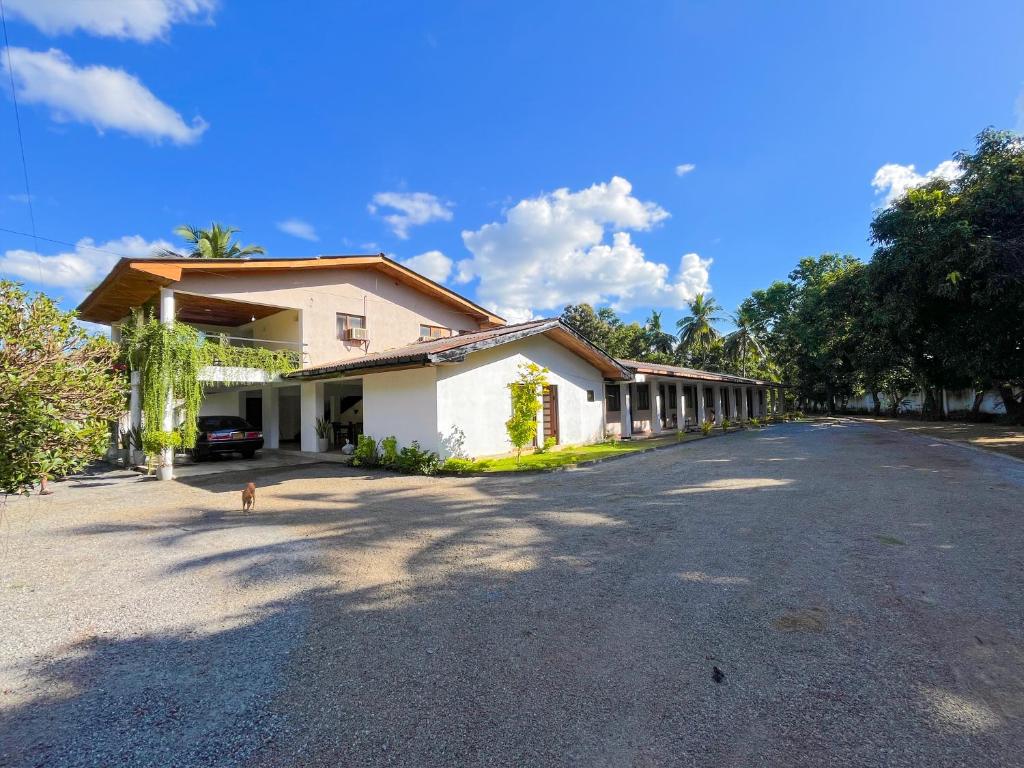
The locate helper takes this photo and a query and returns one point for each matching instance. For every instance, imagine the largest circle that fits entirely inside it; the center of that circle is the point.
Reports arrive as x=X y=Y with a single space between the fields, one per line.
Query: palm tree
x=697 y=334
x=658 y=339
x=742 y=343
x=213 y=243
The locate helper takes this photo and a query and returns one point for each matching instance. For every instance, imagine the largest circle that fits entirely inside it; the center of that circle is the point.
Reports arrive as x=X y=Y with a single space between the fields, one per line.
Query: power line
x=61 y=242
x=21 y=140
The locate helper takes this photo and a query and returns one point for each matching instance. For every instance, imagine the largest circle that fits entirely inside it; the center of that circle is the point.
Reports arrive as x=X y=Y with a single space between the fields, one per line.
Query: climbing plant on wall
x=168 y=359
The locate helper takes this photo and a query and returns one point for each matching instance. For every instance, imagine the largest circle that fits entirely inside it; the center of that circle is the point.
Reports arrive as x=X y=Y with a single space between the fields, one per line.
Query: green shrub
x=706 y=427
x=726 y=424
x=365 y=454
x=755 y=424
x=461 y=466
x=414 y=460
x=388 y=451
x=549 y=443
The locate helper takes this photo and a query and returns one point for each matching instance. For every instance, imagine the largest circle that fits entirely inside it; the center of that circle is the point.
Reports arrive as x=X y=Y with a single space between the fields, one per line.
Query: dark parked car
x=226 y=434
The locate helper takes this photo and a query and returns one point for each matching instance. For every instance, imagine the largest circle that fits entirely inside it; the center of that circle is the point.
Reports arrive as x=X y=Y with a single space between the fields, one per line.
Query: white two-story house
x=382 y=350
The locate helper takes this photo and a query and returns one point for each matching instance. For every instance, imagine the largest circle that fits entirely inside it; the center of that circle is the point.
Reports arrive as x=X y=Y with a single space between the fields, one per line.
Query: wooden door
x=549 y=399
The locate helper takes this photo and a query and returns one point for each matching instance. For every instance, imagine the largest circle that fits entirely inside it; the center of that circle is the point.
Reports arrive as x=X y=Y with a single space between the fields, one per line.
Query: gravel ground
x=861 y=591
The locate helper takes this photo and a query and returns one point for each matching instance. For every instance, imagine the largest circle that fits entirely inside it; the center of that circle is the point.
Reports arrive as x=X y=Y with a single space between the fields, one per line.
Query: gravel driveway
x=859 y=589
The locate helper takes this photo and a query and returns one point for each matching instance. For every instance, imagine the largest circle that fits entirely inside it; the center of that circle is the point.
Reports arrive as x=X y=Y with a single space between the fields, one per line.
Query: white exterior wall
x=961 y=400
x=473 y=397
x=220 y=404
x=393 y=310
x=403 y=404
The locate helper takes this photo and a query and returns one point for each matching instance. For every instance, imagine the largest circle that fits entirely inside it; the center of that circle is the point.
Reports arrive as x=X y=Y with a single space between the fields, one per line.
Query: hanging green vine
x=169 y=359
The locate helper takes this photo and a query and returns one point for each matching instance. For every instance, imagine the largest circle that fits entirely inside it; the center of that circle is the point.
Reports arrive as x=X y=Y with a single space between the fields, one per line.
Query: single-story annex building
x=381 y=350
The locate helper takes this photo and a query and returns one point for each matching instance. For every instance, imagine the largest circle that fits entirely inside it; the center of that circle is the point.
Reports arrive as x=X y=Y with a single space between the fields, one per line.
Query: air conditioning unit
x=356 y=334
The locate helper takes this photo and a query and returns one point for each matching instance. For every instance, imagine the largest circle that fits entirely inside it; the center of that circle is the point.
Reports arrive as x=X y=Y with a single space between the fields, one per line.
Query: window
x=590 y=395
x=611 y=397
x=347 y=322
x=434 y=332
x=643 y=397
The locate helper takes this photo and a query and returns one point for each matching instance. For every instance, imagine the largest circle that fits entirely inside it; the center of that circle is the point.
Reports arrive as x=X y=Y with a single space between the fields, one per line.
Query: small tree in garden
x=58 y=391
x=522 y=427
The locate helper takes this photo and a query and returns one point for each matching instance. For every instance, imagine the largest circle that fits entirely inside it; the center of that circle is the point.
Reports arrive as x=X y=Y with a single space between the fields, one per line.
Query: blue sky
x=449 y=129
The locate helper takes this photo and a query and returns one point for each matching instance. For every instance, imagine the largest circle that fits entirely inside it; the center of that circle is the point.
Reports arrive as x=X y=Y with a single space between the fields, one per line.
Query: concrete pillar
x=681 y=406
x=311 y=408
x=625 y=411
x=719 y=412
x=702 y=411
x=271 y=417
x=744 y=412
x=135 y=415
x=166 y=471
x=655 y=401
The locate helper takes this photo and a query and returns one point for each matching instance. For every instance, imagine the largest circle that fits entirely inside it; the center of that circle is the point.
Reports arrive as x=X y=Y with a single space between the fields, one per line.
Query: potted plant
x=323 y=435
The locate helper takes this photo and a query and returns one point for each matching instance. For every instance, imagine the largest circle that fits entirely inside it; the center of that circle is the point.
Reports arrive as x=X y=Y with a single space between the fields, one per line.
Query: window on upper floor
x=434 y=332
x=351 y=327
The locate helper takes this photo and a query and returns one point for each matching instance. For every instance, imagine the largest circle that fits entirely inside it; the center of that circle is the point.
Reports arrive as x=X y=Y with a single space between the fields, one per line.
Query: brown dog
x=249 y=497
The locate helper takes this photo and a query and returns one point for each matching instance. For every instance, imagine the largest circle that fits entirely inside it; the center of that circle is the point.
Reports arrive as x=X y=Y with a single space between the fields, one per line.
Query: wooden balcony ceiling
x=207 y=310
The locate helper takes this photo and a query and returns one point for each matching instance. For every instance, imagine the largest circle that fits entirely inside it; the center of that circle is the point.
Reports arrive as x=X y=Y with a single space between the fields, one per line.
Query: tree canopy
x=58 y=391
x=213 y=243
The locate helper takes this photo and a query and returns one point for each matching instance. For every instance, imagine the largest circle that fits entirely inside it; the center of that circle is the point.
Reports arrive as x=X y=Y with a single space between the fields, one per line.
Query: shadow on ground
x=575 y=618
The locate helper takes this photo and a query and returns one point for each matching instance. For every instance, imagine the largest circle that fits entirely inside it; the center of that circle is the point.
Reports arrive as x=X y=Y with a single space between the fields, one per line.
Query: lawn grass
x=573 y=455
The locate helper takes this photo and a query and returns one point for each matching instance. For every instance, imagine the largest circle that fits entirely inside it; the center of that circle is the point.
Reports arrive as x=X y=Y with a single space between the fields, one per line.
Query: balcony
x=231 y=362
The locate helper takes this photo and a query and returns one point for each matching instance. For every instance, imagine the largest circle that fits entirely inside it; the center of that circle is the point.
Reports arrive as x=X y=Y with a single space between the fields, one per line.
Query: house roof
x=133 y=282
x=455 y=349
x=679 y=372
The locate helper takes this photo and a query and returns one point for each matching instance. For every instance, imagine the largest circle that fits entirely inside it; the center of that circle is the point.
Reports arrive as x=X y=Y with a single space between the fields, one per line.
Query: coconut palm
x=697 y=334
x=659 y=340
x=742 y=344
x=213 y=243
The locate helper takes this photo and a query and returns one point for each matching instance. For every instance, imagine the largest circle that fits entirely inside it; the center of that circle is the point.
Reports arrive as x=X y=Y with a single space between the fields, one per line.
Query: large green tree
x=949 y=268
x=58 y=391
x=213 y=243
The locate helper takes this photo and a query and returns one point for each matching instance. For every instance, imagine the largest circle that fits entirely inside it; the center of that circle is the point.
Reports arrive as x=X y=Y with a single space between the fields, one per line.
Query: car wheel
x=248 y=454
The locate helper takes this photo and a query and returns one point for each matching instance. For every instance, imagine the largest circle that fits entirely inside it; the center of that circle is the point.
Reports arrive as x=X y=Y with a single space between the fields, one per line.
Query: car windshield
x=215 y=423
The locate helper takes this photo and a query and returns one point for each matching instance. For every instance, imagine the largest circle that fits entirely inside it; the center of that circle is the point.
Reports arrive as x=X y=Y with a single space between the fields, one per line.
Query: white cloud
x=413 y=209
x=433 y=265
x=298 y=228
x=100 y=96
x=551 y=250
x=141 y=20
x=78 y=270
x=894 y=179
x=685 y=168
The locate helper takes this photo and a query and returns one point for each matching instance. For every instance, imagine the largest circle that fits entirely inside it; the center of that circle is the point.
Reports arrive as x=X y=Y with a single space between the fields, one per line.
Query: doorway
x=549 y=400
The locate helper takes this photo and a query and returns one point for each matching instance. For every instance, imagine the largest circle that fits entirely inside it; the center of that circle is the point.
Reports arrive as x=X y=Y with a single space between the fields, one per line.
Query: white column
x=625 y=411
x=167 y=425
x=719 y=414
x=271 y=417
x=702 y=410
x=681 y=406
x=655 y=400
x=311 y=408
x=135 y=414
x=744 y=413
